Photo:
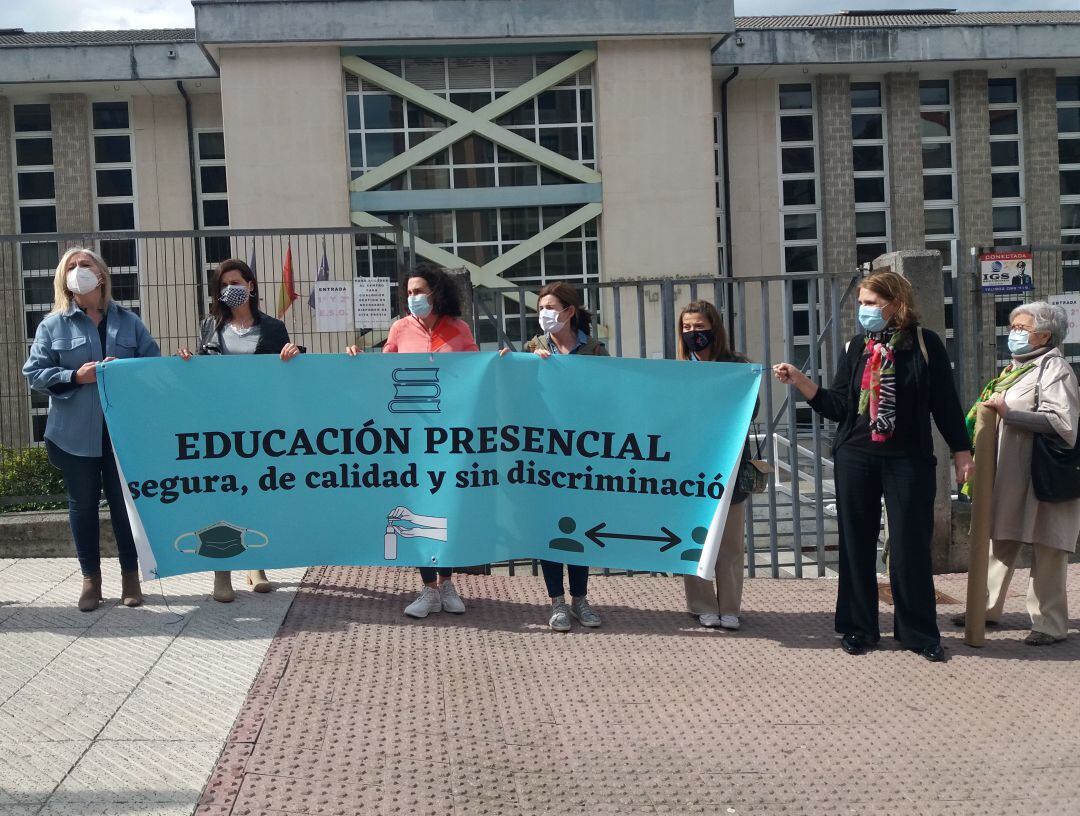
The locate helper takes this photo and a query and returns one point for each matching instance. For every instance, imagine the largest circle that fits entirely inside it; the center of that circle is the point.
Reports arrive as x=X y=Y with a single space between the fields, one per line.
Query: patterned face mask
x=235 y=295
x=221 y=540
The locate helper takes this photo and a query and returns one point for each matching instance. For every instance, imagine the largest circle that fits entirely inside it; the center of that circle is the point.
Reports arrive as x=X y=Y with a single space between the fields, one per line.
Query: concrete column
x=283 y=115
x=836 y=183
x=835 y=174
x=1038 y=97
x=923 y=269
x=14 y=405
x=972 y=145
x=654 y=102
x=905 y=161
x=72 y=158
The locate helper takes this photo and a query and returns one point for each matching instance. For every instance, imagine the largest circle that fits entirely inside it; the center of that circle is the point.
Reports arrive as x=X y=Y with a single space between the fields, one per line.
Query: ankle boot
x=90 y=599
x=258 y=581
x=223 y=591
x=130 y=589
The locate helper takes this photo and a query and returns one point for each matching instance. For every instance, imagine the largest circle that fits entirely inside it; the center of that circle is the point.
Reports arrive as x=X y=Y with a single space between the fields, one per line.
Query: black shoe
x=935 y=653
x=852 y=644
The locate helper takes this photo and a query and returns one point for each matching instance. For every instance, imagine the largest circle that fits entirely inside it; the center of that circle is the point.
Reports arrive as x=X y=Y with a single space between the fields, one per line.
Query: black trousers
x=908 y=485
x=429 y=574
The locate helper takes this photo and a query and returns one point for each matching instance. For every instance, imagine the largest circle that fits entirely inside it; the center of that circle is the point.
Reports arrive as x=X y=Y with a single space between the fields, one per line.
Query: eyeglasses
x=1018 y=327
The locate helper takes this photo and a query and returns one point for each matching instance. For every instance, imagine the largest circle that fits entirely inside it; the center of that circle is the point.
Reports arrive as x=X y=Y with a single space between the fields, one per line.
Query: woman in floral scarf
x=892 y=379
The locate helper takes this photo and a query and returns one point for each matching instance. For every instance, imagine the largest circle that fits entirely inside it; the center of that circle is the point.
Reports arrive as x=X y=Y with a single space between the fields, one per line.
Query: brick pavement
x=360 y=710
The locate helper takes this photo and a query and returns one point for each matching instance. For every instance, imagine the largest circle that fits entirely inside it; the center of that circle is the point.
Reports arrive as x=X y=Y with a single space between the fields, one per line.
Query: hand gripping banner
x=426 y=460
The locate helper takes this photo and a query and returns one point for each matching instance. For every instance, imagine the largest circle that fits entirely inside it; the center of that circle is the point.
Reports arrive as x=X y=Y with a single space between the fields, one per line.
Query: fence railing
x=163 y=276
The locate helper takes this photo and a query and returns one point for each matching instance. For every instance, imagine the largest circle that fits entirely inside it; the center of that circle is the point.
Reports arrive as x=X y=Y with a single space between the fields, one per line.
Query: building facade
x=553 y=142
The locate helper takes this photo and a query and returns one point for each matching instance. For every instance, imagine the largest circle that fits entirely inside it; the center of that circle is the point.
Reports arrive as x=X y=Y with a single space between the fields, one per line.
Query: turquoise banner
x=426 y=460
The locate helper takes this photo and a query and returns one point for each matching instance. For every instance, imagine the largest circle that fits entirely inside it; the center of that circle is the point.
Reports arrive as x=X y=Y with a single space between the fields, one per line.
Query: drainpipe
x=728 y=271
x=200 y=269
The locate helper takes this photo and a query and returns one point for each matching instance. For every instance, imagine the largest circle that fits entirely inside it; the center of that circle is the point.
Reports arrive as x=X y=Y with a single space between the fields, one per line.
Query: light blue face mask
x=1019 y=342
x=871 y=319
x=420 y=305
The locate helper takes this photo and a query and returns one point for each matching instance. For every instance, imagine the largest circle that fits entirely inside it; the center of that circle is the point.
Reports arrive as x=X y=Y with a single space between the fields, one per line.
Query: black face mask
x=698 y=340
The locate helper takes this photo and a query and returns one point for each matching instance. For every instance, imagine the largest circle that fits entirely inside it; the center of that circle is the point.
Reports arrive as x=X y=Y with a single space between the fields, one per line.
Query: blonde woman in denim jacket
x=85 y=328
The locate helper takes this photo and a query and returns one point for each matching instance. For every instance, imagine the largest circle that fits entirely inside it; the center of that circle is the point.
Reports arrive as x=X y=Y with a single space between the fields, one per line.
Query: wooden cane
x=982 y=502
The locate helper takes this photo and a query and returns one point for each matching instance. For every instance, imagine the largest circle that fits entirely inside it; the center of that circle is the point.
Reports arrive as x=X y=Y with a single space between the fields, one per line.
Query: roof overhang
x=103 y=63
x=345 y=22
x=859 y=46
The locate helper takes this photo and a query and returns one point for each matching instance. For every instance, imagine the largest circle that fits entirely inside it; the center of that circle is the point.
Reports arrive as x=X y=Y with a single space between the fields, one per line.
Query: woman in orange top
x=432 y=324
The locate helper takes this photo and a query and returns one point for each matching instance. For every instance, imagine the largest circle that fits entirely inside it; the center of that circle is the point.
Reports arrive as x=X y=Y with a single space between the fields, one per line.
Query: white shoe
x=729 y=622
x=451 y=601
x=710 y=620
x=427 y=602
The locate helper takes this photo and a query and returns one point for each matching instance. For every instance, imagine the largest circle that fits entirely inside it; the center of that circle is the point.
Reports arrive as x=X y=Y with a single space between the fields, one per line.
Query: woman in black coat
x=236 y=326
x=892 y=379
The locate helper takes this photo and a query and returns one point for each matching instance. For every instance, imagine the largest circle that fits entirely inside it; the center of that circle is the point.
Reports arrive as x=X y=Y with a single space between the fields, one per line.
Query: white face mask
x=82 y=281
x=549 y=320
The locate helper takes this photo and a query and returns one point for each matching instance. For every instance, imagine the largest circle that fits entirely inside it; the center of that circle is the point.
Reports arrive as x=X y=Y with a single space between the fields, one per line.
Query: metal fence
x=163 y=277
x=791 y=529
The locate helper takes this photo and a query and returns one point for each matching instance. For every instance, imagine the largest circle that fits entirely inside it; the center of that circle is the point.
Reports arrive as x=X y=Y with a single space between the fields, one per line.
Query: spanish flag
x=287 y=293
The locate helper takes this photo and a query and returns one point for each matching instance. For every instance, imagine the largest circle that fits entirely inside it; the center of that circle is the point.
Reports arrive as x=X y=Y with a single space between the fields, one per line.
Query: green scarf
x=999 y=385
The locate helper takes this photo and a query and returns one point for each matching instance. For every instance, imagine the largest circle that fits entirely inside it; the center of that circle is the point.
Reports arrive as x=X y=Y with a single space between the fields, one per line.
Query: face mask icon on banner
x=220 y=540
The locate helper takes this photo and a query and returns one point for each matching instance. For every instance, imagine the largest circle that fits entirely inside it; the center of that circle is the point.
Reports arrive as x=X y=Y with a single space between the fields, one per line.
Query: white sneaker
x=427 y=602
x=451 y=601
x=729 y=621
x=710 y=620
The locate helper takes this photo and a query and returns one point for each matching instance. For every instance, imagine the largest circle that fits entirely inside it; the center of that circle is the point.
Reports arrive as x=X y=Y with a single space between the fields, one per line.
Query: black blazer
x=924 y=388
x=272 y=337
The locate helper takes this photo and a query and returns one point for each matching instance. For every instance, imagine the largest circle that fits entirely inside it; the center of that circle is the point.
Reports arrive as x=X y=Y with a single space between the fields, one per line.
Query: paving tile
x=29 y=771
x=27 y=716
x=146 y=771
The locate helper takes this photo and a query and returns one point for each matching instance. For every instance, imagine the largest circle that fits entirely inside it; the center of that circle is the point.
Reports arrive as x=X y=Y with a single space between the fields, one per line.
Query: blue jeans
x=84 y=478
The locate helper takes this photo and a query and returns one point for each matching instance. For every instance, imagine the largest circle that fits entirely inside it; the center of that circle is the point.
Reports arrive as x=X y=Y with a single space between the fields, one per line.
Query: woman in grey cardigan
x=1041 y=396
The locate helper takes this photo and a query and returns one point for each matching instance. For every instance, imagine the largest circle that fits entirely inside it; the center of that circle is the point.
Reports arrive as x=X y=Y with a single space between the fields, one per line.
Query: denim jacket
x=62 y=343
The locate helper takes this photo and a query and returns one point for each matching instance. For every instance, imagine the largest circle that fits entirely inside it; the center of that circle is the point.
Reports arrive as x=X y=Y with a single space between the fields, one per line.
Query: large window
x=382 y=125
x=939 y=185
x=1068 y=114
x=869 y=147
x=213 y=194
x=1006 y=164
x=800 y=205
x=35 y=194
x=114 y=195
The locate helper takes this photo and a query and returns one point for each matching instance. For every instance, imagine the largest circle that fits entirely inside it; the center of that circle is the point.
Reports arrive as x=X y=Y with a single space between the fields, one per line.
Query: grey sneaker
x=584 y=613
x=451 y=601
x=729 y=622
x=427 y=602
x=560 y=617
x=1041 y=639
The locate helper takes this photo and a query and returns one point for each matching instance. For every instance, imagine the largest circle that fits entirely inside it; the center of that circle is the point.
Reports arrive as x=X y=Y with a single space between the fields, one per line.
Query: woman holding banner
x=702 y=338
x=432 y=323
x=236 y=326
x=85 y=328
x=1036 y=394
x=565 y=325
x=892 y=379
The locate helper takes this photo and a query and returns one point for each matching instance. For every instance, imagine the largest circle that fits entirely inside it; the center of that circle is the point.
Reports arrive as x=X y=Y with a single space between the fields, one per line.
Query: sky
x=68 y=15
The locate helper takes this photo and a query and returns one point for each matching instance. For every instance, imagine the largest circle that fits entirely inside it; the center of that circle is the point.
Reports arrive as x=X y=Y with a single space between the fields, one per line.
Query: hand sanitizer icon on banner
x=433 y=527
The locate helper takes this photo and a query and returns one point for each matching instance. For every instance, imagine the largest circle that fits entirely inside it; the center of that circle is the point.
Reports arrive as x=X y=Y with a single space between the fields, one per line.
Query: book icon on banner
x=416 y=391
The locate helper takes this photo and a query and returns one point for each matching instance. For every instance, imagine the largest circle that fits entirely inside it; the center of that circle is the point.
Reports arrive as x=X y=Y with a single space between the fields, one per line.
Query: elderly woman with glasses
x=1036 y=393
